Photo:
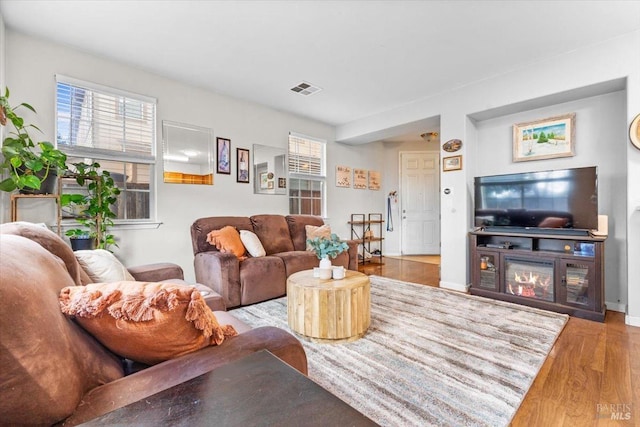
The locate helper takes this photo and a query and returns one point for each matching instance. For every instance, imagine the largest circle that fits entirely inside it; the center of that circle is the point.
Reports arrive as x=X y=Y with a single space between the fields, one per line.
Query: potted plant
x=96 y=215
x=327 y=248
x=81 y=239
x=32 y=167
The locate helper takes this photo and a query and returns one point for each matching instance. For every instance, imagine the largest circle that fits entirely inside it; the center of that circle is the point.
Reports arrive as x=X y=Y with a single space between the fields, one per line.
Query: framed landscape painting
x=544 y=139
x=453 y=163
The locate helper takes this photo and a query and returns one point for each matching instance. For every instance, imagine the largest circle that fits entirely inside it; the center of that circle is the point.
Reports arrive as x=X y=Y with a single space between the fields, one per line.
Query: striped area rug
x=430 y=356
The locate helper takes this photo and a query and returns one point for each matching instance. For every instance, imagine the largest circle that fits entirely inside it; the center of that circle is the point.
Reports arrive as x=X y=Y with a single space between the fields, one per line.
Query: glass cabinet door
x=486 y=269
x=577 y=284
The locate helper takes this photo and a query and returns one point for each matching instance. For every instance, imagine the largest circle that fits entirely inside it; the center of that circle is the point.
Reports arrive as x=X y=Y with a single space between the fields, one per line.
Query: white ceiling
x=367 y=56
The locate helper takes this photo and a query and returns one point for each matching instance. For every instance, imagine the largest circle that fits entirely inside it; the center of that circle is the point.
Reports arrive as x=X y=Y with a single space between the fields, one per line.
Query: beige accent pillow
x=102 y=266
x=145 y=321
x=313 y=232
x=252 y=243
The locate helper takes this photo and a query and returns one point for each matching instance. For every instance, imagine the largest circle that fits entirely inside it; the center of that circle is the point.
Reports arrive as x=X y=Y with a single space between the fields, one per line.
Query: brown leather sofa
x=258 y=279
x=53 y=371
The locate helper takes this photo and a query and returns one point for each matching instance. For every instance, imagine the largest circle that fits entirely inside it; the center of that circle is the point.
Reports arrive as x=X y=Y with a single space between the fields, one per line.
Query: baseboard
x=632 y=320
x=454 y=286
x=616 y=306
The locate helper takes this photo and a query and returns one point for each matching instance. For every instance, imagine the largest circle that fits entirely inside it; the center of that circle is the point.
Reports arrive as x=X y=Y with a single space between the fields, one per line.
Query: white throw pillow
x=252 y=243
x=102 y=266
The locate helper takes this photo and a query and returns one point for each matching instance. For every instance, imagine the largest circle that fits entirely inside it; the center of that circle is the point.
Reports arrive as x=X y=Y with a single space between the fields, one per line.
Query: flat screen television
x=530 y=201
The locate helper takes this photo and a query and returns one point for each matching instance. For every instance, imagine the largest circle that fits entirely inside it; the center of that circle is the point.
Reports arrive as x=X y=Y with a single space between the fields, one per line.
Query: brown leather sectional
x=258 y=279
x=55 y=372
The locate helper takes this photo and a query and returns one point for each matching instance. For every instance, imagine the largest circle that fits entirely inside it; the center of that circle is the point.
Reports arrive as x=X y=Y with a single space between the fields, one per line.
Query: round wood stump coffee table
x=328 y=310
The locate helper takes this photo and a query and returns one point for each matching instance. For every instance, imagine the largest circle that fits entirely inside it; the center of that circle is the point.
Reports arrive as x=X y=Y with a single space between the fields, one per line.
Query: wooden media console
x=557 y=272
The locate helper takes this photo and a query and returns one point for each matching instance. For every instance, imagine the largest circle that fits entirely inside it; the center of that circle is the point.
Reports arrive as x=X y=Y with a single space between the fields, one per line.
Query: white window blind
x=306 y=155
x=115 y=128
x=94 y=119
x=306 y=175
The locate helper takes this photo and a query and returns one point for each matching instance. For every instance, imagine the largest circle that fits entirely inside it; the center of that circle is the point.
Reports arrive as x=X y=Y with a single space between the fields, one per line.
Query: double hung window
x=307 y=176
x=115 y=128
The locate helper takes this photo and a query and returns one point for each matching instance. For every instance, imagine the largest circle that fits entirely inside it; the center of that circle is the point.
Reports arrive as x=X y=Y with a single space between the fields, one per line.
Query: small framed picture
x=242 y=166
x=452 y=163
x=264 y=181
x=223 y=146
x=343 y=176
x=452 y=145
x=282 y=182
x=360 y=177
x=374 y=180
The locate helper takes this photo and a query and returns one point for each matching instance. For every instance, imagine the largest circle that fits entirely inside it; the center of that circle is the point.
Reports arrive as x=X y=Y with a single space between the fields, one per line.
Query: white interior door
x=420 y=203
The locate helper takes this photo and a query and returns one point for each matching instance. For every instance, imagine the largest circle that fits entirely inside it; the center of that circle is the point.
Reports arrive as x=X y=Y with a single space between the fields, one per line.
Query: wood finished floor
x=593 y=369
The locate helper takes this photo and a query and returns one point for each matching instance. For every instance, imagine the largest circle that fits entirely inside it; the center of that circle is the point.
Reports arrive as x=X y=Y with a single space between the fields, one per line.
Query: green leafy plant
x=28 y=163
x=96 y=216
x=331 y=247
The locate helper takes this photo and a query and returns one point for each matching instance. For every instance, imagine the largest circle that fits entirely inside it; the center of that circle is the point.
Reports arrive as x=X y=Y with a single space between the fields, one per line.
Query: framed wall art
x=223 y=147
x=634 y=132
x=360 y=179
x=374 y=180
x=452 y=163
x=343 y=176
x=544 y=139
x=452 y=145
x=264 y=181
x=242 y=166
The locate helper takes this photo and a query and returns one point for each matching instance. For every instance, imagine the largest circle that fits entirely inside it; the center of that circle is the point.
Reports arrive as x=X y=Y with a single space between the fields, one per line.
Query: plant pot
x=48 y=186
x=82 y=243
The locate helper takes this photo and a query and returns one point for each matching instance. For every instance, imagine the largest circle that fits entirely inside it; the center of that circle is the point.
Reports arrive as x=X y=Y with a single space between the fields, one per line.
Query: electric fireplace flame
x=531 y=281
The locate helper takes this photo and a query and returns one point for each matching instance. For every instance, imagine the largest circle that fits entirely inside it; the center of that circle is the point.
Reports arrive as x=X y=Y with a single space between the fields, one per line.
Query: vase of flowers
x=325 y=262
x=326 y=248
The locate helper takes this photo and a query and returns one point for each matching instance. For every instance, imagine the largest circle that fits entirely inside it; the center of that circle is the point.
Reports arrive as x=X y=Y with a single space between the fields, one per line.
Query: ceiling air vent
x=306 y=89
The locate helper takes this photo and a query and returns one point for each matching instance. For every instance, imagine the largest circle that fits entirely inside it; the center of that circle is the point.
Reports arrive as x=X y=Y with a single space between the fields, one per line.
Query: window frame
x=320 y=177
x=101 y=154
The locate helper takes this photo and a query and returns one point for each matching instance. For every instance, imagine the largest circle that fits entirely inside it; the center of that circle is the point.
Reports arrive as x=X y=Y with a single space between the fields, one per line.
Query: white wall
x=599 y=140
x=347 y=201
x=633 y=189
x=2 y=54
x=4 y=198
x=31 y=66
x=571 y=76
